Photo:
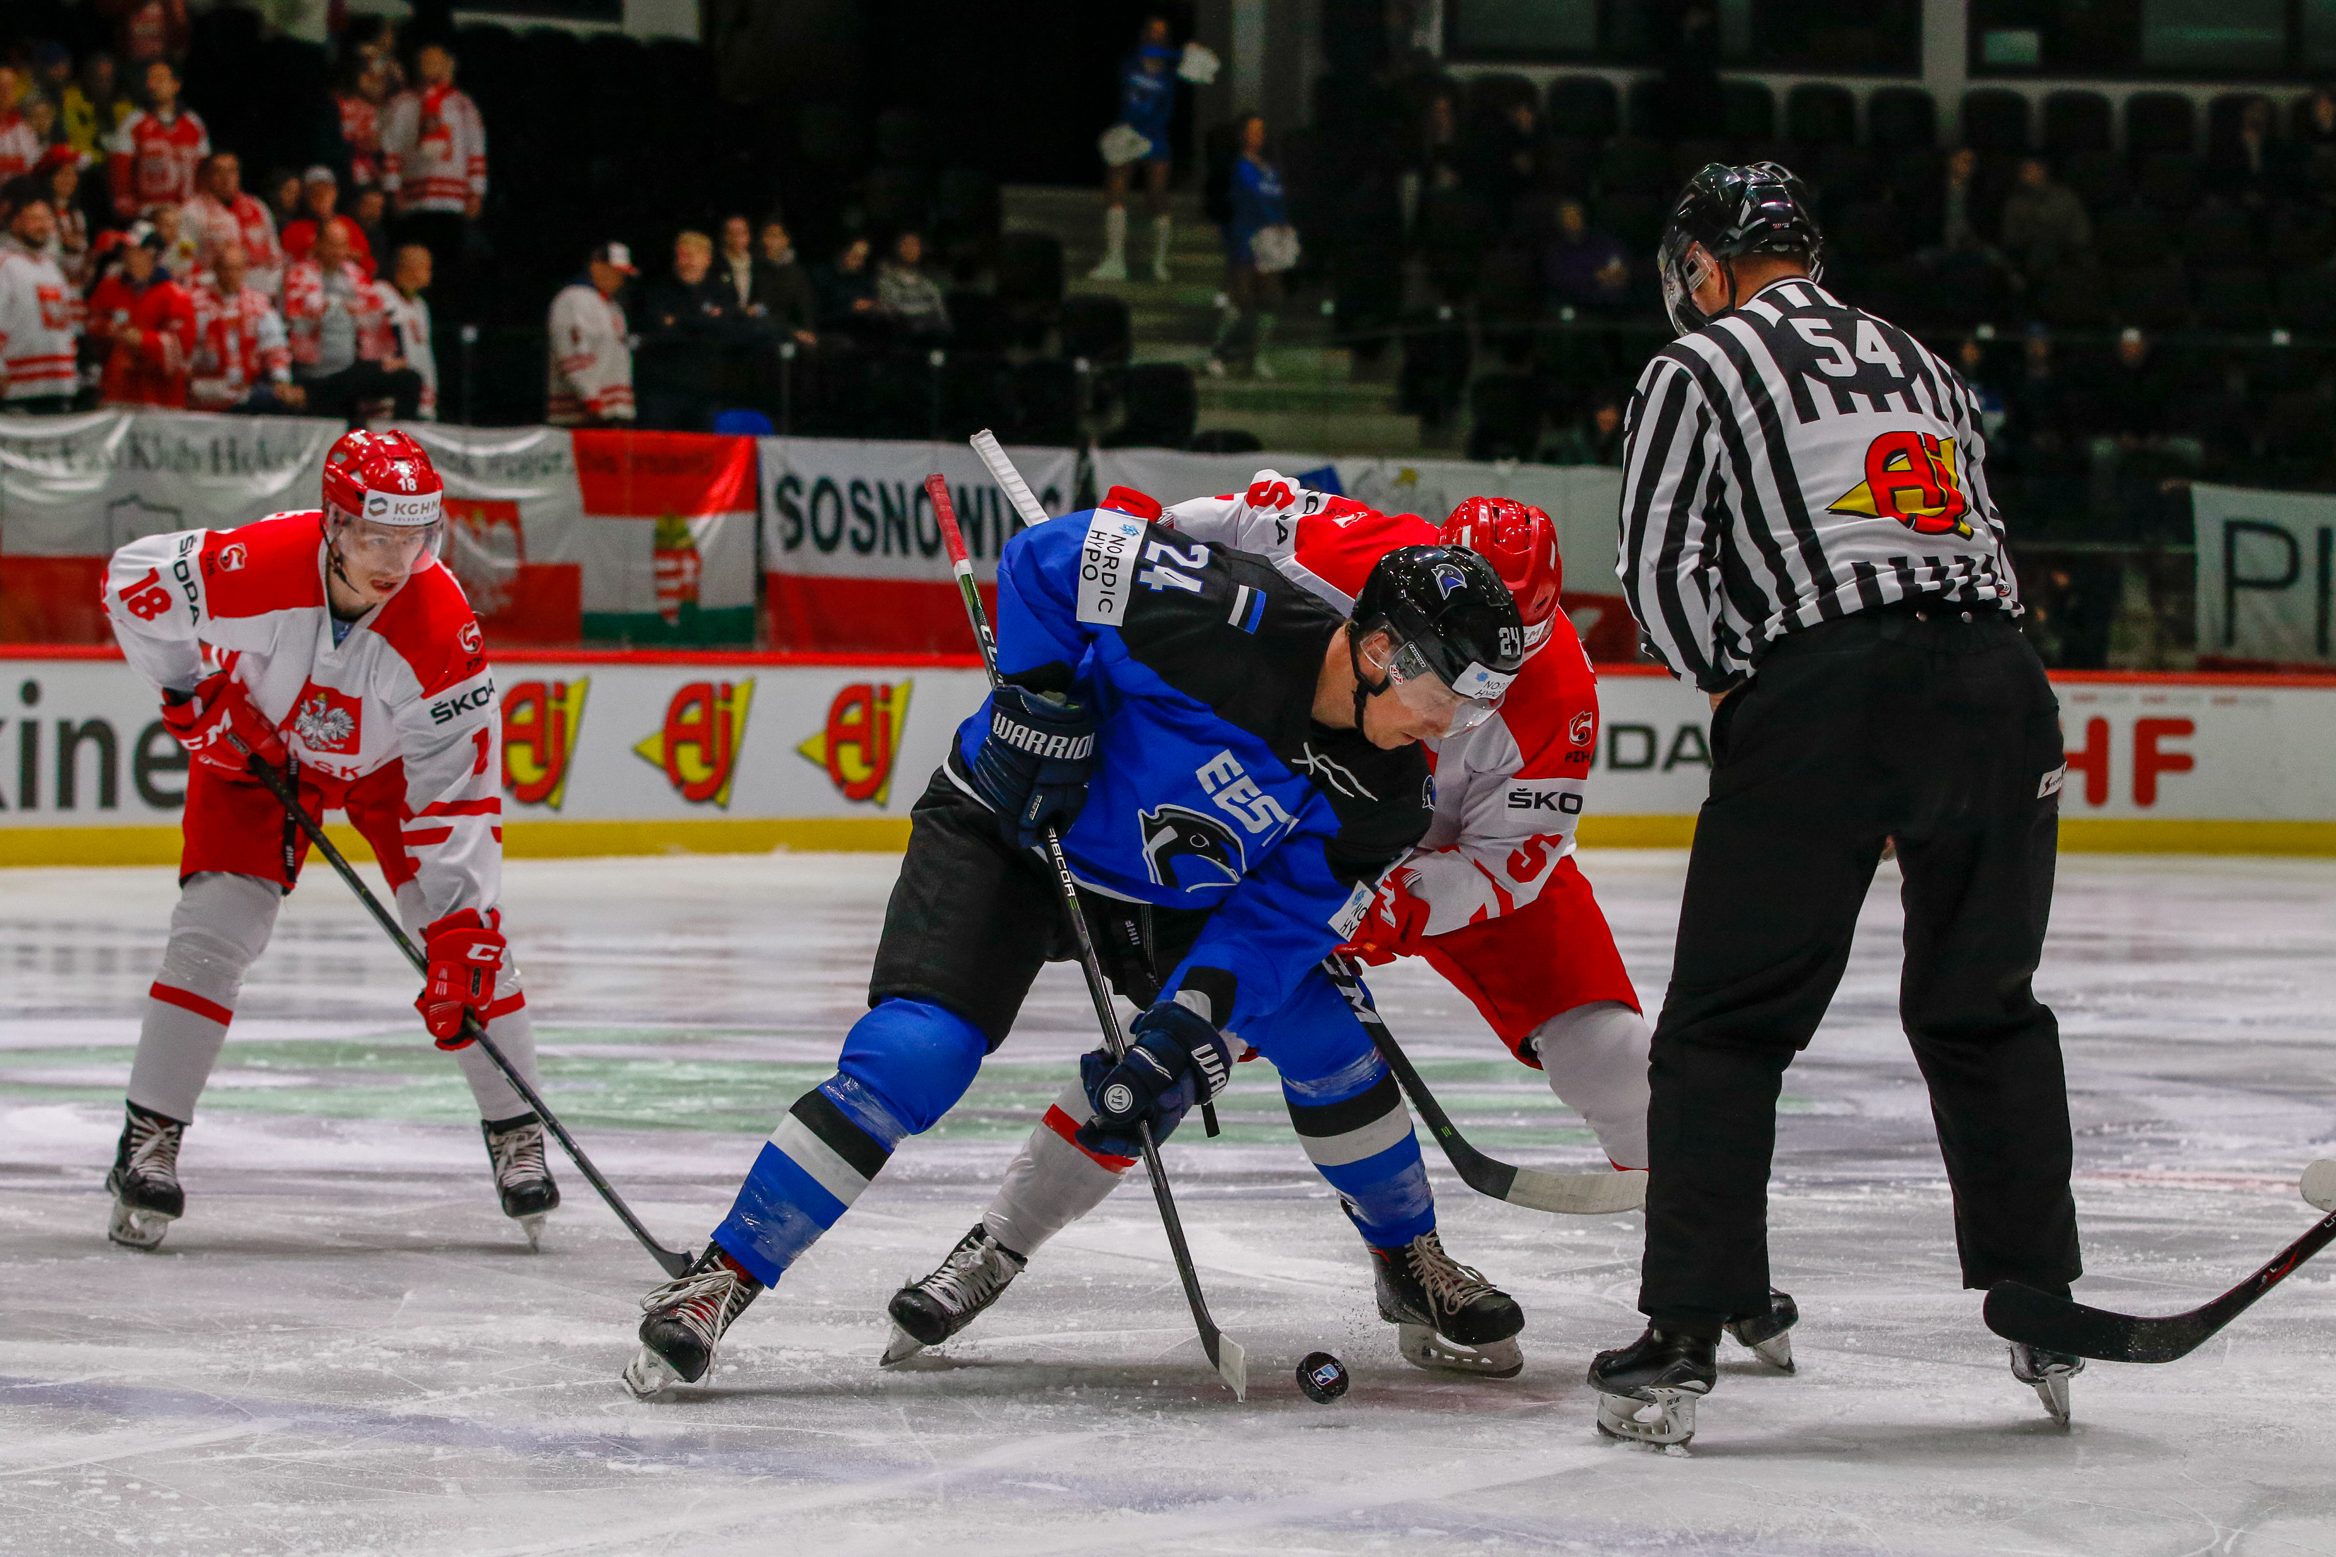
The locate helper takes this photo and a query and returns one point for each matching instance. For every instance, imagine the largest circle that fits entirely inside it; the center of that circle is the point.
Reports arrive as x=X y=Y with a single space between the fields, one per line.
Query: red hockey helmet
x=1521 y=544
x=382 y=487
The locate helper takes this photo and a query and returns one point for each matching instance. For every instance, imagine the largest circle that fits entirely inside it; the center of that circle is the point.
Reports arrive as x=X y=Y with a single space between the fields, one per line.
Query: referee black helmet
x=1725 y=213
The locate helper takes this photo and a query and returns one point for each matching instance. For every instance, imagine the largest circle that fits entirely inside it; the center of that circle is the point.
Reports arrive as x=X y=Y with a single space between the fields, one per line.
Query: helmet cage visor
x=1430 y=701
x=1685 y=265
x=380 y=546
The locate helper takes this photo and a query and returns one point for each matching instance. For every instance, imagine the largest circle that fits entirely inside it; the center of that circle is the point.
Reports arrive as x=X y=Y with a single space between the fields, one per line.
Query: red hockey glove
x=210 y=720
x=465 y=953
x=1395 y=926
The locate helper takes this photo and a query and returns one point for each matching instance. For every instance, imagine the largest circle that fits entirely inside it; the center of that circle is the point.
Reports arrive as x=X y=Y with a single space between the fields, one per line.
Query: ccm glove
x=466 y=952
x=1175 y=1058
x=218 y=726
x=1395 y=926
x=1032 y=768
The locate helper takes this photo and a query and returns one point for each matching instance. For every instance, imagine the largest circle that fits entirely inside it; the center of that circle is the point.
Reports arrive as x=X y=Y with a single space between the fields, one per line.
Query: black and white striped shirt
x=1794 y=461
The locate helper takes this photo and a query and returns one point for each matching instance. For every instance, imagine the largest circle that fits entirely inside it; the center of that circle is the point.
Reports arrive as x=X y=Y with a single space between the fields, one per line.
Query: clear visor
x=1685 y=266
x=369 y=546
x=1427 y=699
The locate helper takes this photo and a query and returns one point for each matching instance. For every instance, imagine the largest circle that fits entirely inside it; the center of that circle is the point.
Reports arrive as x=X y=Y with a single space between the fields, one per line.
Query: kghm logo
x=860 y=744
x=541 y=720
x=1910 y=477
x=705 y=724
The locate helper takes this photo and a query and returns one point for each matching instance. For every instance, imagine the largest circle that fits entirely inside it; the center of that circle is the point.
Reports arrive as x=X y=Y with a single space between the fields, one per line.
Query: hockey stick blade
x=674 y=1262
x=2019 y=1312
x=993 y=454
x=1561 y=1194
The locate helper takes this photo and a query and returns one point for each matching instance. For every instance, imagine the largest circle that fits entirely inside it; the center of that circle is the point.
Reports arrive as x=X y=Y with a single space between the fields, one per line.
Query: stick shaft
x=675 y=1263
x=1224 y=1354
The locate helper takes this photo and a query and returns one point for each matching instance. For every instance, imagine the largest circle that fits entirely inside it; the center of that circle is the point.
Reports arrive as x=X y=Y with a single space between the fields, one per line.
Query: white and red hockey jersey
x=20 y=147
x=1508 y=792
x=433 y=149
x=408 y=685
x=153 y=163
x=239 y=341
x=591 y=365
x=40 y=322
x=213 y=226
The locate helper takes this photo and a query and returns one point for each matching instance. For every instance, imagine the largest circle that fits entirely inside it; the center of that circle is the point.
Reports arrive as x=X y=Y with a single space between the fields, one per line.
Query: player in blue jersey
x=1232 y=766
x=1147 y=102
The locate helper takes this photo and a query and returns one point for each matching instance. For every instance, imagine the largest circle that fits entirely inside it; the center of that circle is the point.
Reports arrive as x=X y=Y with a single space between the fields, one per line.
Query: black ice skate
x=144 y=1180
x=1447 y=1315
x=684 y=1320
x=1768 y=1332
x=1647 y=1390
x=2049 y=1372
x=928 y=1312
x=515 y=1147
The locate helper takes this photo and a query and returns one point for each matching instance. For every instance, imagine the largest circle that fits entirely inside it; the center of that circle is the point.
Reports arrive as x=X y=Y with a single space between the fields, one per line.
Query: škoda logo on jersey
x=861 y=742
x=541 y=720
x=1910 y=477
x=705 y=724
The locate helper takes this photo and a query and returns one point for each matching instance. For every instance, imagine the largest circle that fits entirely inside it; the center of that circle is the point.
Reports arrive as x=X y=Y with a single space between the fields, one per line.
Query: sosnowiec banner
x=853 y=550
x=600 y=536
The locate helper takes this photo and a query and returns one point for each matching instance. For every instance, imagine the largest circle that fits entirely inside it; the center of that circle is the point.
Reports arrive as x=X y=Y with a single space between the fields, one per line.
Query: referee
x=1808 y=537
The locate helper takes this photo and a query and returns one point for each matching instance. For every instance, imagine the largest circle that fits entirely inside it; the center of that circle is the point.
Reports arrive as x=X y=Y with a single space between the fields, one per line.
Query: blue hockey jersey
x=1214 y=786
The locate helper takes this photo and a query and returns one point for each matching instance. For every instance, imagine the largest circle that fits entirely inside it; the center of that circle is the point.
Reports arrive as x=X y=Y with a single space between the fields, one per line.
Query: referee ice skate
x=1807 y=536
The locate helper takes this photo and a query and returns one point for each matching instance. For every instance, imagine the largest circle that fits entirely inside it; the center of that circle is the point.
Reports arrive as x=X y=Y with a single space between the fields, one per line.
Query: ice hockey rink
x=343 y=1348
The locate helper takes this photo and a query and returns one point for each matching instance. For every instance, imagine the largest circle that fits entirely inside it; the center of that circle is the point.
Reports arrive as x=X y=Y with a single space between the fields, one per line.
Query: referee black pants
x=1941 y=733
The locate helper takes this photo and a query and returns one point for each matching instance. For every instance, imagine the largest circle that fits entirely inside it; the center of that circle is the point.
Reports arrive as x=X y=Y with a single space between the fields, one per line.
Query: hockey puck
x=1322 y=1377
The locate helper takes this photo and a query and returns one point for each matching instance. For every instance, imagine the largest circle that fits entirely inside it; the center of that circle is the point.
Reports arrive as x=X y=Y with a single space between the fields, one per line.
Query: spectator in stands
x=1255 y=256
x=20 y=144
x=94 y=107
x=2246 y=167
x=1972 y=360
x=1147 y=106
x=1596 y=436
x=343 y=351
x=434 y=165
x=591 y=366
x=1949 y=224
x=369 y=215
x=783 y=287
x=40 y=116
x=1582 y=266
x=142 y=326
x=360 y=96
x=52 y=73
x=2037 y=404
x=283 y=189
x=221 y=213
x=847 y=294
x=409 y=316
x=2044 y=224
x=908 y=295
x=1510 y=156
x=242 y=360
x=320 y=198
x=178 y=242
x=148 y=30
x=59 y=174
x=155 y=152
x=1436 y=161
x=685 y=320
x=40 y=312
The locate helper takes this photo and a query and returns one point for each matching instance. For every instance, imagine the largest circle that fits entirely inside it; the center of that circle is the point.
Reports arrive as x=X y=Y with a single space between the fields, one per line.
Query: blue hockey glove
x=1033 y=767
x=1175 y=1058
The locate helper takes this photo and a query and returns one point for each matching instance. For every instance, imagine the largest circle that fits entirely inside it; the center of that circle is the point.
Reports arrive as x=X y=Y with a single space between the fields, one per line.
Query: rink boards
x=639 y=753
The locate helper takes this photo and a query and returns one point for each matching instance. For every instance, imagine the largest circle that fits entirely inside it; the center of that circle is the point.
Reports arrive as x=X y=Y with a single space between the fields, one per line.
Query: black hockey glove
x=1033 y=767
x=1175 y=1058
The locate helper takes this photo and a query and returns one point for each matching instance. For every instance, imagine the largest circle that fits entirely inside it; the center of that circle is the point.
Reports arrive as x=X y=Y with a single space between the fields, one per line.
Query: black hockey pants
x=1937 y=730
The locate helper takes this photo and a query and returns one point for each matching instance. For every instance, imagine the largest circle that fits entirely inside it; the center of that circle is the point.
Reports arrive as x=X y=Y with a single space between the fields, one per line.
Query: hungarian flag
x=672 y=516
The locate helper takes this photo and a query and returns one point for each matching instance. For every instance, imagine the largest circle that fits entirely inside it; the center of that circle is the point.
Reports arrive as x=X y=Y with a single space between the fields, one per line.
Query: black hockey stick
x=1571 y=1194
x=2019 y=1312
x=1225 y=1354
x=676 y=1264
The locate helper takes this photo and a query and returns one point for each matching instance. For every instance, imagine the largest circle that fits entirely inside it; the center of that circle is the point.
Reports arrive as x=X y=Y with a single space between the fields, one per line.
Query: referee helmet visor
x=1724 y=214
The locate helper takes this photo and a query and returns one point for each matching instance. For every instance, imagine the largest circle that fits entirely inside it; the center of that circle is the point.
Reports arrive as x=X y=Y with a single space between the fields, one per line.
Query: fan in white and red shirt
x=156 y=150
x=242 y=359
x=20 y=144
x=221 y=213
x=40 y=316
x=433 y=142
x=334 y=642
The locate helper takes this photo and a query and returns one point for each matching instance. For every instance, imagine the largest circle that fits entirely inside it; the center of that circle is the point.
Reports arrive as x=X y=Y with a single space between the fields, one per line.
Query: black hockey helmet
x=1728 y=212
x=1458 y=640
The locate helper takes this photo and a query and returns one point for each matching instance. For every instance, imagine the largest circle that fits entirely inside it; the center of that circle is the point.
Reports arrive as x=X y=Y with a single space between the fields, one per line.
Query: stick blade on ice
x=1233 y=1365
x=1579 y=1194
x=2019 y=1312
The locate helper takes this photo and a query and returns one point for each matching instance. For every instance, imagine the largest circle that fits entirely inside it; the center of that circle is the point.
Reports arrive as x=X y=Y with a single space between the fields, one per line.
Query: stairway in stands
x=1313 y=403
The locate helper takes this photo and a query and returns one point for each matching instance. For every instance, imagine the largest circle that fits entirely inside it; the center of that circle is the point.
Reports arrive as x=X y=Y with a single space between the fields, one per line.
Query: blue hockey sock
x=1363 y=1144
x=904 y=1065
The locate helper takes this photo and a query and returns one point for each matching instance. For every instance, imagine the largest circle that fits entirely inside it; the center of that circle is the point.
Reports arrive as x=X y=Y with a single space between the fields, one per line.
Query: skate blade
x=1664 y=1420
x=899 y=1349
x=532 y=1226
x=2052 y=1389
x=1422 y=1347
x=1777 y=1352
x=133 y=1228
x=649 y=1375
x=2319 y=1184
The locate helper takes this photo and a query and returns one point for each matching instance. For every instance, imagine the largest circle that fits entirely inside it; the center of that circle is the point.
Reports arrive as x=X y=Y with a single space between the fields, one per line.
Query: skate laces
x=975 y=1271
x=154 y=1148
x=704 y=1300
x=518 y=1154
x=1450 y=1285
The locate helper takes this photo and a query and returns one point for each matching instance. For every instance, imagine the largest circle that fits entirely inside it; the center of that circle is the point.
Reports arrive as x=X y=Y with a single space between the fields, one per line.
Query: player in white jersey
x=334 y=641
x=1491 y=896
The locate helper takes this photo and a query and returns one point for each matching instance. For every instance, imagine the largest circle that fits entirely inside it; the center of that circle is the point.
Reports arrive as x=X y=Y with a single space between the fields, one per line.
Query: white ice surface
x=343 y=1348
